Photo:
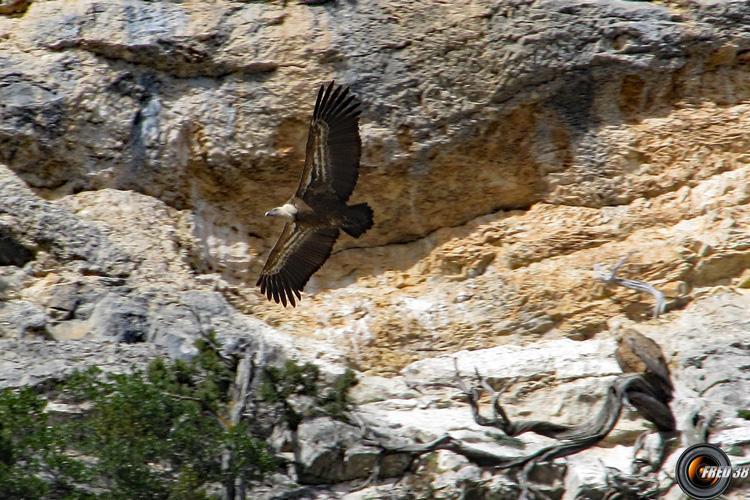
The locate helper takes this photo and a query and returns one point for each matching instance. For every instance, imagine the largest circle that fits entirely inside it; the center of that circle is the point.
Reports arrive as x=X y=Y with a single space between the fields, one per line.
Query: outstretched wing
x=333 y=146
x=298 y=253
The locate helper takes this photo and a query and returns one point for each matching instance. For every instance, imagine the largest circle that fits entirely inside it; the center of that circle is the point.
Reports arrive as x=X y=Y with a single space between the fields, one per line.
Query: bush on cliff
x=158 y=433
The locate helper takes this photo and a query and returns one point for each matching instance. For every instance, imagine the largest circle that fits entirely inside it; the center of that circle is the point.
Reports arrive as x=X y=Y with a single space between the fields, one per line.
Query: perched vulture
x=637 y=353
x=319 y=208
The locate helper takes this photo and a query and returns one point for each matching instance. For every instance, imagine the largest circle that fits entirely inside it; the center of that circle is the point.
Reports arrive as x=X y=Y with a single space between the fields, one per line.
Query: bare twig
x=204 y=407
x=714 y=384
x=699 y=427
x=180 y=396
x=610 y=277
x=621 y=485
x=574 y=438
x=206 y=336
x=500 y=418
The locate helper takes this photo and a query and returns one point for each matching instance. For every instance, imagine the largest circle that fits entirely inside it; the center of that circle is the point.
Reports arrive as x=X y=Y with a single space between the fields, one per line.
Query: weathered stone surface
x=110 y=264
x=586 y=478
x=330 y=451
x=508 y=147
x=614 y=126
x=32 y=362
x=705 y=347
x=19 y=318
x=454 y=474
x=46 y=227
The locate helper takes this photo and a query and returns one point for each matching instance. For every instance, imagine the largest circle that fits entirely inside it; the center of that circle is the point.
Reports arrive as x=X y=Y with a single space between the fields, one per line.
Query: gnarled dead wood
x=610 y=277
x=622 y=486
x=574 y=438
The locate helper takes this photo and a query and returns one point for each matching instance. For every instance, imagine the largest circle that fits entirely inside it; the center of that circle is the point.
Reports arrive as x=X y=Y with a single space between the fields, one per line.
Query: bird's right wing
x=333 y=146
x=299 y=252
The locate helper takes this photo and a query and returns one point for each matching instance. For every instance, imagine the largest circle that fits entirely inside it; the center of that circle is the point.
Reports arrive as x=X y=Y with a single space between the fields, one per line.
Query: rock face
x=611 y=127
x=562 y=381
x=31 y=362
x=508 y=146
x=330 y=451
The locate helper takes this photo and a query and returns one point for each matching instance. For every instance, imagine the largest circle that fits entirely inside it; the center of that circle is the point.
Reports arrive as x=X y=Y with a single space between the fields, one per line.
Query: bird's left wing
x=653 y=410
x=333 y=146
x=299 y=252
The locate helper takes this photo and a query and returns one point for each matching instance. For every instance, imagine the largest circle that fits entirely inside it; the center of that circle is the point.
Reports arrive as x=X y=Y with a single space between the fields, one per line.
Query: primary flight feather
x=318 y=209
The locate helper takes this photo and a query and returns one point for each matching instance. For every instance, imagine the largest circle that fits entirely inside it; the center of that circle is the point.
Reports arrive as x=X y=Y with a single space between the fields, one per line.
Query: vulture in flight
x=318 y=209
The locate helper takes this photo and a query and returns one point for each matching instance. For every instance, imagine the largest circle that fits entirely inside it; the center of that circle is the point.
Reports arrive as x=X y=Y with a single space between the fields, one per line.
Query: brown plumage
x=318 y=209
x=637 y=353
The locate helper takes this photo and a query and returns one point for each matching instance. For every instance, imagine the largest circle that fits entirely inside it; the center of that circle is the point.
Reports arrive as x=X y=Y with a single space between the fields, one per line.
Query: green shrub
x=304 y=380
x=34 y=462
x=156 y=434
x=159 y=433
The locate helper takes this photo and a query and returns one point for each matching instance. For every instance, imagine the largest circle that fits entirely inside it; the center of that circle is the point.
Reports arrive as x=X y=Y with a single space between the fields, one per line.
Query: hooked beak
x=270 y=213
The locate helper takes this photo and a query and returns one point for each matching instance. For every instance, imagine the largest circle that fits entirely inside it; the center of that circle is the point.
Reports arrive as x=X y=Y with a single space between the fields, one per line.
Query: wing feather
x=331 y=104
x=318 y=103
x=340 y=104
x=282 y=289
x=297 y=255
x=653 y=410
x=287 y=286
x=333 y=146
x=324 y=103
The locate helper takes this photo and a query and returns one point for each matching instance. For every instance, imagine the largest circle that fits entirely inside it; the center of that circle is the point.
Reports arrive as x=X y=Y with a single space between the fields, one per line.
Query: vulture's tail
x=358 y=220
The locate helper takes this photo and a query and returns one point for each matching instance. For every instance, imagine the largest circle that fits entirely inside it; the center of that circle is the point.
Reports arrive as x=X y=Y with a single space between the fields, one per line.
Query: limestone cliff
x=508 y=147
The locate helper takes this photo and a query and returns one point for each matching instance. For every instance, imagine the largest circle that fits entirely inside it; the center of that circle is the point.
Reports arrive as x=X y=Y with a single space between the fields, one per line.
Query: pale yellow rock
x=539 y=276
x=744 y=279
x=506 y=151
x=508 y=148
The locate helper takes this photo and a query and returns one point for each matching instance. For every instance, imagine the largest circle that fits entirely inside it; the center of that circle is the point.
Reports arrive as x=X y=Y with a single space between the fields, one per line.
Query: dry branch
x=574 y=438
x=610 y=277
x=623 y=486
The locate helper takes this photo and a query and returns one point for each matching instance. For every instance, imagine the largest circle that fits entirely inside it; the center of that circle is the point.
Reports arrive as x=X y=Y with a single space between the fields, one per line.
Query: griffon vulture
x=319 y=208
x=637 y=353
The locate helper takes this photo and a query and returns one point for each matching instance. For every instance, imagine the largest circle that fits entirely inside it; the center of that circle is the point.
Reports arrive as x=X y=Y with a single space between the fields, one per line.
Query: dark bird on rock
x=318 y=209
x=637 y=353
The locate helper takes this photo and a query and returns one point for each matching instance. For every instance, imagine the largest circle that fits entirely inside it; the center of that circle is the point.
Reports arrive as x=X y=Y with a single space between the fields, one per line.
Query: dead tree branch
x=621 y=486
x=574 y=438
x=600 y=424
x=610 y=277
x=234 y=487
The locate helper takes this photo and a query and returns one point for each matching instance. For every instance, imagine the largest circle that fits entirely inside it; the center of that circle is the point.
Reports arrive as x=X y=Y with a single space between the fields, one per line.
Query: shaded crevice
x=429 y=234
x=160 y=57
x=13 y=253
